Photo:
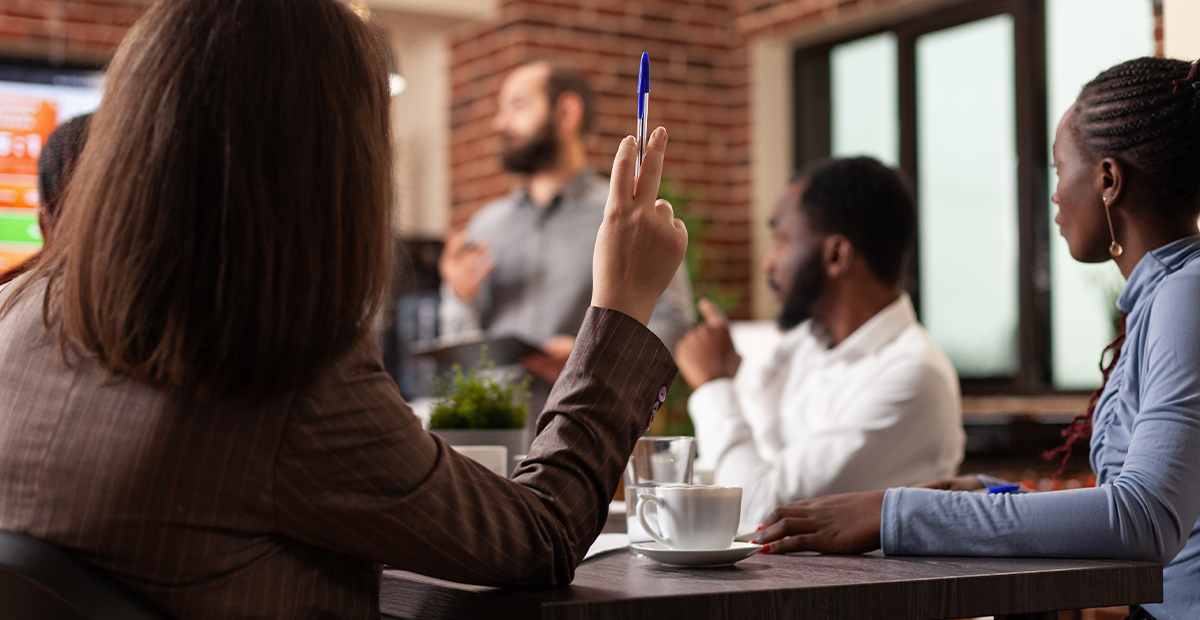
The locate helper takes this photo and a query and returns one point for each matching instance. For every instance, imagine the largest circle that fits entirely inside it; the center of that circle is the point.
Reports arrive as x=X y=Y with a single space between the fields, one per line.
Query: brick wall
x=768 y=17
x=698 y=92
x=699 y=87
x=60 y=31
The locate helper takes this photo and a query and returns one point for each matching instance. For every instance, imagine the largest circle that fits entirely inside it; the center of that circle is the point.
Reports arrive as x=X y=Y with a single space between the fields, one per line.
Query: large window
x=965 y=100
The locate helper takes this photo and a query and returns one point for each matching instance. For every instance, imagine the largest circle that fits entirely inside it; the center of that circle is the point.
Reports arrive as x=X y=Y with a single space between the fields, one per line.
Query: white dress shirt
x=881 y=409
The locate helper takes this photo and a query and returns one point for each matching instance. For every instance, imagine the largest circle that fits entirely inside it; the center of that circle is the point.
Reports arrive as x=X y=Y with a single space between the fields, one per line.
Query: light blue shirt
x=1145 y=453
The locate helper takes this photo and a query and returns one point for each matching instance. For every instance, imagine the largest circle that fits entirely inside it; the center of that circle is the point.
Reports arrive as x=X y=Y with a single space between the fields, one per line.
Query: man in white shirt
x=856 y=396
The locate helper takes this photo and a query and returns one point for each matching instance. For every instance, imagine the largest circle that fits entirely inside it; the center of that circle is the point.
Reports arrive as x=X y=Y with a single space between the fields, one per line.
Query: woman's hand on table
x=847 y=523
x=640 y=244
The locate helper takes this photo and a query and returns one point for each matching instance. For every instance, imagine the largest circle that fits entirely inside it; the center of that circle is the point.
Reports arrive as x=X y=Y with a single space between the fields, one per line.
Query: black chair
x=39 y=581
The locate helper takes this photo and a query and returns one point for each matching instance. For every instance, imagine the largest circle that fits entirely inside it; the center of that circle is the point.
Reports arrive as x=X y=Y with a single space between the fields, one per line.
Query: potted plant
x=479 y=408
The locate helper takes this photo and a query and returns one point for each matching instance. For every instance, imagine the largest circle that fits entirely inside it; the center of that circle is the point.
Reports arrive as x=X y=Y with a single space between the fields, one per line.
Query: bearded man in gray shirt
x=523 y=265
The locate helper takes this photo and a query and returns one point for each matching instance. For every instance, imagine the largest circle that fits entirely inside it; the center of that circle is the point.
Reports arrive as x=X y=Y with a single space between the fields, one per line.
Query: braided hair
x=1146 y=114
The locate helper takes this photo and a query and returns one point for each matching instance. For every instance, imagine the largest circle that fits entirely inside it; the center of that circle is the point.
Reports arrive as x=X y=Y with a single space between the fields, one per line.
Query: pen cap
x=644 y=74
x=643 y=82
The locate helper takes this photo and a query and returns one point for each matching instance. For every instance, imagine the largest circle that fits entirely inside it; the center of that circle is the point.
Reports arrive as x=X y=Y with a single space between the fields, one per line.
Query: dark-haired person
x=55 y=167
x=857 y=396
x=1128 y=159
x=192 y=398
x=522 y=266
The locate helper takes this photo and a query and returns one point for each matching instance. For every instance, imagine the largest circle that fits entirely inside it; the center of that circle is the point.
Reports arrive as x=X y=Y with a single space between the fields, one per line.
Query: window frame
x=813 y=129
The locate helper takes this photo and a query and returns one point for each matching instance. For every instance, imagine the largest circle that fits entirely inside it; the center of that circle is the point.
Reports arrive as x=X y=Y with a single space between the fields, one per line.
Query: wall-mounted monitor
x=33 y=101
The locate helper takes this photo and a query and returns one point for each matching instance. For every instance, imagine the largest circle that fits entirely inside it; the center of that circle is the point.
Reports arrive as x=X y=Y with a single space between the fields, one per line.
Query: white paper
x=606 y=543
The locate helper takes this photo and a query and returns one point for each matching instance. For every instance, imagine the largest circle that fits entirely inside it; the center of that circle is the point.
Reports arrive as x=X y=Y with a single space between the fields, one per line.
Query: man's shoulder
x=915 y=352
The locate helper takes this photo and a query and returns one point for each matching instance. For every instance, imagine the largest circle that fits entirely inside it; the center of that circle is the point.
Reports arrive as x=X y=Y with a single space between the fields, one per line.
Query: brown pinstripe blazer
x=286 y=510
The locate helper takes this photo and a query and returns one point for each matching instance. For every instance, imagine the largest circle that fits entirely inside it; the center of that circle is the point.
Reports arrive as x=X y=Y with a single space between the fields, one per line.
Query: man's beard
x=535 y=155
x=807 y=286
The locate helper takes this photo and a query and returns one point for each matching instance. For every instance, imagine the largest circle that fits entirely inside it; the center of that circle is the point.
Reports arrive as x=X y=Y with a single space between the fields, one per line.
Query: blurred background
x=963 y=95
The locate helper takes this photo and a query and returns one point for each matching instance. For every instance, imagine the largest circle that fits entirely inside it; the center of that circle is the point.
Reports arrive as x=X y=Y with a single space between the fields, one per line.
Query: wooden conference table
x=621 y=586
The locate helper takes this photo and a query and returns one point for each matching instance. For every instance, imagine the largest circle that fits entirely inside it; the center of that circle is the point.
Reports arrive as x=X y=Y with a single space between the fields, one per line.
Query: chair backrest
x=39 y=581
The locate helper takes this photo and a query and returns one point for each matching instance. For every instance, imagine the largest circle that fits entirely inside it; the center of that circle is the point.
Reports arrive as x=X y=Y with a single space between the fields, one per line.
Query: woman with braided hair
x=1128 y=158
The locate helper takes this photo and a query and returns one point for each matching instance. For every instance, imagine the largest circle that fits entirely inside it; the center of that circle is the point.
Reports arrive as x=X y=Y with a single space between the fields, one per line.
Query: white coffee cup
x=693 y=518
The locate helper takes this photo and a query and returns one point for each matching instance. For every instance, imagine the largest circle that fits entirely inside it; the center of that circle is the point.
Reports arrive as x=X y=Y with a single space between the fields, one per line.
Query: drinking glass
x=655 y=461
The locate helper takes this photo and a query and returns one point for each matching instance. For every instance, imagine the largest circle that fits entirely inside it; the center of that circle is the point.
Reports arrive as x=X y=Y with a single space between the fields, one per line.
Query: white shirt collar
x=879 y=330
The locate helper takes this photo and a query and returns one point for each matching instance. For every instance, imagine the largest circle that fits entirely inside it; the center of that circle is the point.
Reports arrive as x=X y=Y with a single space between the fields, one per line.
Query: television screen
x=33 y=101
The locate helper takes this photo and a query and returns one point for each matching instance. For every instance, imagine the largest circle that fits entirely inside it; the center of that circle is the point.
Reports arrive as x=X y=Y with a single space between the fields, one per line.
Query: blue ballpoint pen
x=643 y=130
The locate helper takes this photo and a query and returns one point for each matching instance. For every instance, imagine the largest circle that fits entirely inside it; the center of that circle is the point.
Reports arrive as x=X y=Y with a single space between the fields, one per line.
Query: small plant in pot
x=479 y=408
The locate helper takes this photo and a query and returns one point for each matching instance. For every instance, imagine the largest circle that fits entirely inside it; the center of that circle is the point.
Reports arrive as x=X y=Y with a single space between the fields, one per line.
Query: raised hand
x=465 y=265
x=640 y=244
x=706 y=353
x=846 y=523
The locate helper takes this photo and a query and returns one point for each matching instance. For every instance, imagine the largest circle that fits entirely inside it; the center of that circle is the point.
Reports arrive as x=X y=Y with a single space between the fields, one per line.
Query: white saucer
x=707 y=558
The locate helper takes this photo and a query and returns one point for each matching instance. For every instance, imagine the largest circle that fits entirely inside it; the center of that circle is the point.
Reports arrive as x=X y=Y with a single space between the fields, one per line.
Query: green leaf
x=474 y=400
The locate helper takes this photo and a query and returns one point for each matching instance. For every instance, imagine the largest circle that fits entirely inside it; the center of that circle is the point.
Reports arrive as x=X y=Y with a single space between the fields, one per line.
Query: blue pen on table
x=1004 y=488
x=643 y=129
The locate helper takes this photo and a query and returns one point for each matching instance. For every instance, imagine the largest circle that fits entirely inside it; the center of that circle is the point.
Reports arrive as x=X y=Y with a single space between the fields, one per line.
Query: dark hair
x=868 y=203
x=1146 y=114
x=226 y=232
x=564 y=80
x=56 y=165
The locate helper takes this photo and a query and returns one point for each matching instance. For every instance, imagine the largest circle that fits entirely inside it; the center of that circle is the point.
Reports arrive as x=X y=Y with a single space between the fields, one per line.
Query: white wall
x=419 y=32
x=771 y=164
x=421 y=126
x=1181 y=29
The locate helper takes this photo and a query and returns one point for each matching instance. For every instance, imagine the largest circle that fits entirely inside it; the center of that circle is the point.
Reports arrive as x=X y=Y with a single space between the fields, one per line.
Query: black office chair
x=39 y=581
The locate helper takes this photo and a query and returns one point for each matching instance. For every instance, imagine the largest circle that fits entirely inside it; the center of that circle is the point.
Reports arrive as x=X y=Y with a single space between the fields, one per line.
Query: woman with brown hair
x=193 y=398
x=1128 y=159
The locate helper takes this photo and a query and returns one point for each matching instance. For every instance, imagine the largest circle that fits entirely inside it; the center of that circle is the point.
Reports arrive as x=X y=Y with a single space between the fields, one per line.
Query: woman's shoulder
x=1179 y=286
x=1172 y=310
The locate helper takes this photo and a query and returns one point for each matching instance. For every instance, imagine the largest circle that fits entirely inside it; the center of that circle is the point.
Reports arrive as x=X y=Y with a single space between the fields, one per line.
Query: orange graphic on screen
x=11 y=257
x=25 y=124
x=18 y=192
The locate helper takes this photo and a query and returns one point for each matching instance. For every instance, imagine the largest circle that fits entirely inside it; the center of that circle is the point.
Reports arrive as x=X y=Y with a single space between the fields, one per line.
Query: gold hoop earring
x=1115 y=248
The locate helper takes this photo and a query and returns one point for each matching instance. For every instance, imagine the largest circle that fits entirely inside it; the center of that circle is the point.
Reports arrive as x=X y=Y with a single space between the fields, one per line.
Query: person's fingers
x=684 y=346
x=559 y=347
x=792 y=544
x=664 y=209
x=482 y=268
x=621 y=181
x=793 y=509
x=690 y=343
x=457 y=243
x=713 y=317
x=789 y=526
x=681 y=232
x=652 y=164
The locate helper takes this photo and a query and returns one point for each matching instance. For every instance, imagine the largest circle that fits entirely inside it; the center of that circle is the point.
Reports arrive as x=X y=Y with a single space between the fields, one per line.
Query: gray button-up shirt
x=541 y=286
